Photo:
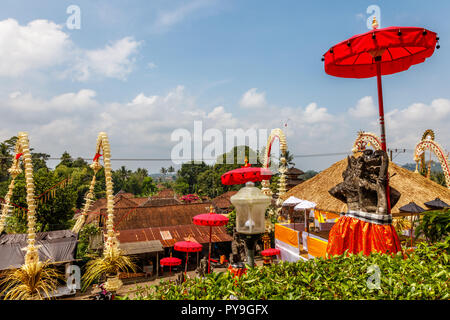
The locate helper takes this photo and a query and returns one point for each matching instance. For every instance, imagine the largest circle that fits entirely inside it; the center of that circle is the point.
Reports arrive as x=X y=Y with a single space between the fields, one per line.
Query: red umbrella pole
x=185 y=268
x=209 y=254
x=383 y=131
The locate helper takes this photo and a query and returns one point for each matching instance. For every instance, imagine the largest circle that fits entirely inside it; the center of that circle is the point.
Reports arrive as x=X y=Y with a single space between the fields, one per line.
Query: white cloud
x=142 y=126
x=167 y=19
x=67 y=102
x=404 y=127
x=41 y=45
x=151 y=65
x=313 y=114
x=365 y=108
x=253 y=99
x=116 y=60
x=37 y=45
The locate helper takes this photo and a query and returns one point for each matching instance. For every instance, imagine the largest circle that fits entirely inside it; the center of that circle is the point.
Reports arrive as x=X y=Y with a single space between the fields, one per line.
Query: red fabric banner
x=357 y=236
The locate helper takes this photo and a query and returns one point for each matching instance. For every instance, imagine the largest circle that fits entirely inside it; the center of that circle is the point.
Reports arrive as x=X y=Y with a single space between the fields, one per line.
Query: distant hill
x=167 y=177
x=435 y=166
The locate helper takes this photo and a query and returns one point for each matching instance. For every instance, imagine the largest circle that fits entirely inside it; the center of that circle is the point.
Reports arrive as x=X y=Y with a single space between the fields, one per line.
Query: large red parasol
x=170 y=262
x=210 y=219
x=245 y=174
x=376 y=53
x=187 y=246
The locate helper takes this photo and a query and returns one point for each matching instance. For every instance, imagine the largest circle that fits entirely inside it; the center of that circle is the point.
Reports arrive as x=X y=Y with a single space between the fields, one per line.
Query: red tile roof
x=223 y=201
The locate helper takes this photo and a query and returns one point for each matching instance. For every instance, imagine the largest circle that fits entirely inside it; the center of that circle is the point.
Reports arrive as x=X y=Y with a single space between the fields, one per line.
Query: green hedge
x=423 y=274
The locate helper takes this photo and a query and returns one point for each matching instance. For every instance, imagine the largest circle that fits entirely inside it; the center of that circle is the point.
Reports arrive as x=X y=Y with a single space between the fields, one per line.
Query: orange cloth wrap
x=357 y=236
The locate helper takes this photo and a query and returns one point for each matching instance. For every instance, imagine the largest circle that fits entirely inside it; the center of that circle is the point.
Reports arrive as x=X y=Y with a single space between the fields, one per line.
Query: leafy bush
x=434 y=225
x=421 y=274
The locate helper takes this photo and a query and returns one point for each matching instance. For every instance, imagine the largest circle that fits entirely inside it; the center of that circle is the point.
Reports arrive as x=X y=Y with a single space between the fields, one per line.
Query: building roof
x=141 y=247
x=169 y=235
x=152 y=202
x=294 y=171
x=412 y=186
x=223 y=201
x=146 y=217
x=55 y=246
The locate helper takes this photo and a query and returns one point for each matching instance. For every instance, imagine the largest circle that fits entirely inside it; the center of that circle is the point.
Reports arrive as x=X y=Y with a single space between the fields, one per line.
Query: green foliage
x=205 y=179
x=231 y=222
x=422 y=274
x=83 y=240
x=434 y=225
x=138 y=182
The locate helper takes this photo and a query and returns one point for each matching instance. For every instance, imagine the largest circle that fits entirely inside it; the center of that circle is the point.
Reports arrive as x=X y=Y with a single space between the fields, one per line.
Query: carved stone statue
x=238 y=251
x=364 y=185
x=203 y=267
x=367 y=226
x=180 y=278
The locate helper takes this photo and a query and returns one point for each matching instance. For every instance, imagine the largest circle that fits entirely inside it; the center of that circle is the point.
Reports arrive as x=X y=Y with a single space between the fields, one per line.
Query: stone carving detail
x=238 y=250
x=364 y=185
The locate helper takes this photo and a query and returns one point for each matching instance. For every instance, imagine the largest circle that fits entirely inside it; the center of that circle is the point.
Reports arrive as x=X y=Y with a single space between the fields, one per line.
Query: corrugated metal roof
x=177 y=233
x=141 y=247
x=162 y=216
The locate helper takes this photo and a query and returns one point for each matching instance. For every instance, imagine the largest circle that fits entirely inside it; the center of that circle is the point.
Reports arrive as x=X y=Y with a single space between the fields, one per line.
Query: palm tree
x=289 y=158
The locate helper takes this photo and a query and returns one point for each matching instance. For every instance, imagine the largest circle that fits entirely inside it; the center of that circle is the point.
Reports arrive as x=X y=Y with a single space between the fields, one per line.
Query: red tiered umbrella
x=270 y=252
x=210 y=219
x=245 y=174
x=187 y=246
x=376 y=53
x=170 y=262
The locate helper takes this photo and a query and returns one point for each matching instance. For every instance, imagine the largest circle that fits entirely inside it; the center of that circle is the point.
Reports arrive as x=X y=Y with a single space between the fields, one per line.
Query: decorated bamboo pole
x=34 y=279
x=96 y=166
x=31 y=255
x=113 y=260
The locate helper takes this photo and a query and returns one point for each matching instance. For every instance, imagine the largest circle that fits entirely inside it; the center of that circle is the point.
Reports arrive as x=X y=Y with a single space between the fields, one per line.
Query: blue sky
x=135 y=67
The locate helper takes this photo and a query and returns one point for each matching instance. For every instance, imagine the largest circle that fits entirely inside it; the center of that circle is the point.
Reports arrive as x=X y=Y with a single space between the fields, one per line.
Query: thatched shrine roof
x=412 y=186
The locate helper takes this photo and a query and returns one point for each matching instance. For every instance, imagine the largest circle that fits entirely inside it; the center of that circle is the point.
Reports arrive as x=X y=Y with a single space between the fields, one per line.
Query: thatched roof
x=412 y=186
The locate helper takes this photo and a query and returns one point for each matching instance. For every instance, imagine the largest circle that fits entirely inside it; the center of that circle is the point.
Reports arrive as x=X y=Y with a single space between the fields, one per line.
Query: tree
x=188 y=175
x=289 y=158
x=66 y=160
x=56 y=212
x=6 y=157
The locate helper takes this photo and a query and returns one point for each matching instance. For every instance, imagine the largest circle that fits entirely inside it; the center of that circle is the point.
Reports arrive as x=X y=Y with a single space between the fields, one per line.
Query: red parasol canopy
x=245 y=174
x=188 y=246
x=170 y=261
x=270 y=252
x=399 y=48
x=210 y=219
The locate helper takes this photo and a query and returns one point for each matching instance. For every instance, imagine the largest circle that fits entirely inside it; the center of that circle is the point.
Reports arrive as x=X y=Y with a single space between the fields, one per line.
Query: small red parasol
x=245 y=174
x=210 y=219
x=170 y=262
x=270 y=253
x=187 y=246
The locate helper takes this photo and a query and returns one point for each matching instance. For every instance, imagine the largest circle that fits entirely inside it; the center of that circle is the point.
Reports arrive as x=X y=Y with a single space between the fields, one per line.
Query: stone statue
x=364 y=185
x=238 y=251
x=180 y=279
x=202 y=269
